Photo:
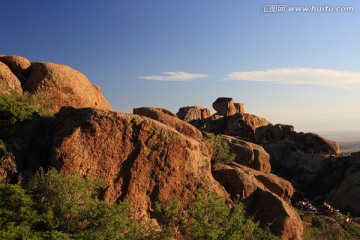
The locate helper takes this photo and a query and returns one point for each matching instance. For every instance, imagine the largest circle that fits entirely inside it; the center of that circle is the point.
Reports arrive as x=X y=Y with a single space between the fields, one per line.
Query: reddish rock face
x=8 y=81
x=169 y=119
x=265 y=195
x=249 y=154
x=141 y=160
x=64 y=86
x=189 y=114
x=20 y=66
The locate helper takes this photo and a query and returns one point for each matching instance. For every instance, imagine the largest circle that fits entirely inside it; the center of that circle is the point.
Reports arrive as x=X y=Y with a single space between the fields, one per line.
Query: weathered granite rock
x=9 y=83
x=64 y=86
x=189 y=114
x=141 y=160
x=169 y=119
x=254 y=189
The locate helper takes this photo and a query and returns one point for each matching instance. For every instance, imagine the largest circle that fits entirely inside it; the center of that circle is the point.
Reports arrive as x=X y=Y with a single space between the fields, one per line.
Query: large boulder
x=189 y=114
x=272 y=133
x=224 y=106
x=249 y=154
x=168 y=118
x=237 y=125
x=264 y=196
x=9 y=83
x=314 y=143
x=141 y=160
x=64 y=86
x=276 y=185
x=244 y=125
x=20 y=66
x=347 y=198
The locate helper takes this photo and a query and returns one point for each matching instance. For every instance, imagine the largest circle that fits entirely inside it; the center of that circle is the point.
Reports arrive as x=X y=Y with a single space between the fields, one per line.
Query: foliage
x=38 y=101
x=209 y=218
x=16 y=213
x=336 y=229
x=16 y=207
x=221 y=152
x=14 y=117
x=58 y=206
x=2 y=146
x=169 y=215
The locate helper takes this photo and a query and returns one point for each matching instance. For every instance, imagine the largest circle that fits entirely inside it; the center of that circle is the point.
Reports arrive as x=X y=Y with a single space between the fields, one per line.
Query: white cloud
x=315 y=76
x=174 y=76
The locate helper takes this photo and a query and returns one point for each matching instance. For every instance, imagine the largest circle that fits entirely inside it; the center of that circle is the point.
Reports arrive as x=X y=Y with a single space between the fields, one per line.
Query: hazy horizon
x=292 y=67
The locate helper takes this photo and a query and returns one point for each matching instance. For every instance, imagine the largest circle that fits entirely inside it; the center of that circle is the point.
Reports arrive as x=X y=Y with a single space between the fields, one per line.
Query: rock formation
x=20 y=66
x=347 y=196
x=189 y=114
x=64 y=86
x=270 y=208
x=244 y=125
x=154 y=155
x=140 y=159
x=249 y=154
x=169 y=119
x=226 y=106
x=9 y=83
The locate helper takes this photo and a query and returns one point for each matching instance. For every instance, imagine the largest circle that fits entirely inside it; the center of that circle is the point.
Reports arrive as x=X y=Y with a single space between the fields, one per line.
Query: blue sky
x=299 y=68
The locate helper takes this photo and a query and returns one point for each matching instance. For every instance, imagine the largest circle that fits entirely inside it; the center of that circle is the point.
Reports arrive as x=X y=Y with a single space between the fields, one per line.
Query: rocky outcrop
x=169 y=119
x=193 y=113
x=141 y=160
x=244 y=125
x=20 y=66
x=347 y=197
x=9 y=83
x=249 y=154
x=237 y=125
x=314 y=143
x=306 y=142
x=226 y=107
x=255 y=190
x=64 y=86
x=272 y=133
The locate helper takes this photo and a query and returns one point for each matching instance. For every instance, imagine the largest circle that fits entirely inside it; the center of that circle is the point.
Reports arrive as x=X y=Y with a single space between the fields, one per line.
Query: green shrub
x=15 y=118
x=326 y=230
x=16 y=213
x=208 y=218
x=2 y=146
x=13 y=111
x=58 y=206
x=221 y=152
x=38 y=101
x=70 y=204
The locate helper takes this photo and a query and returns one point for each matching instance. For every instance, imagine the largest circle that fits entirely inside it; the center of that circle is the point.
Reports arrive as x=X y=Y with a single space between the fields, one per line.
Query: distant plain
x=349 y=141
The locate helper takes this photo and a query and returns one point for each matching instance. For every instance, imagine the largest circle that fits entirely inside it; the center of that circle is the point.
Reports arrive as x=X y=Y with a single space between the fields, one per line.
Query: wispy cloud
x=174 y=76
x=315 y=76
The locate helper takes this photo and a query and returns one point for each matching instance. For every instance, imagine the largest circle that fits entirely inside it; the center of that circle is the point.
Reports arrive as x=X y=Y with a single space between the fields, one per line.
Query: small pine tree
x=221 y=152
